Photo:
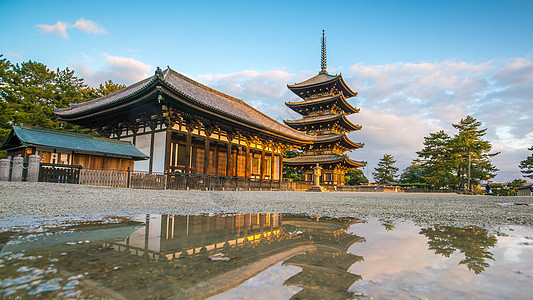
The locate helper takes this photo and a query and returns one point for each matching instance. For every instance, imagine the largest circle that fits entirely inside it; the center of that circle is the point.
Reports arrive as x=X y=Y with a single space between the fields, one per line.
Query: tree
x=291 y=172
x=385 y=171
x=472 y=160
x=355 y=177
x=526 y=166
x=414 y=173
x=104 y=89
x=30 y=92
x=460 y=161
x=437 y=162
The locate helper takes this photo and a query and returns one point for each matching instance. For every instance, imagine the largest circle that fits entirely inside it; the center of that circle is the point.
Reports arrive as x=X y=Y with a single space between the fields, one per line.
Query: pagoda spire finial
x=323 y=61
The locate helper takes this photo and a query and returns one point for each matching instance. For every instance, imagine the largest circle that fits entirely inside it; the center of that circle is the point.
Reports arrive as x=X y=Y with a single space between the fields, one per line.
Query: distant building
x=67 y=148
x=325 y=109
x=524 y=190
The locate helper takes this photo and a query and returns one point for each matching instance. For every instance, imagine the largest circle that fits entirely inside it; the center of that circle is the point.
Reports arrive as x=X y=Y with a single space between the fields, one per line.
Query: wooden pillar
x=168 y=146
x=188 y=146
x=153 y=126
x=216 y=160
x=247 y=168
x=281 y=165
x=194 y=156
x=262 y=164
x=229 y=160
x=134 y=130
x=272 y=162
x=206 y=151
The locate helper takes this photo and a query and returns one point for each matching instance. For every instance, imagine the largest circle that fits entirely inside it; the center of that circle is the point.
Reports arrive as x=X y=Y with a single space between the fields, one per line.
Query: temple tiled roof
x=76 y=108
x=216 y=101
x=79 y=143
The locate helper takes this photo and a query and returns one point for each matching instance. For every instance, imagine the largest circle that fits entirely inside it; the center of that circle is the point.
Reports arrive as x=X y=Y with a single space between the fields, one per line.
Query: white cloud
x=401 y=103
x=89 y=26
x=121 y=70
x=60 y=28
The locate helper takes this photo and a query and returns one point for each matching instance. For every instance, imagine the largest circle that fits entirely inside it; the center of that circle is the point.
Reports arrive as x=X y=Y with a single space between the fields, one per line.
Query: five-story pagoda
x=324 y=109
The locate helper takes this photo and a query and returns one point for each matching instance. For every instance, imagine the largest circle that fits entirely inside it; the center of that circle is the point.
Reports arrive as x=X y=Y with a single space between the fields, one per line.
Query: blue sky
x=418 y=65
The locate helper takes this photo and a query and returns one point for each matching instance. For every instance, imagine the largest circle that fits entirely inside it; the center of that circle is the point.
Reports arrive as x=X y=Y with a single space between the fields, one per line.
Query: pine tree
x=414 y=173
x=472 y=160
x=437 y=165
x=385 y=171
x=526 y=166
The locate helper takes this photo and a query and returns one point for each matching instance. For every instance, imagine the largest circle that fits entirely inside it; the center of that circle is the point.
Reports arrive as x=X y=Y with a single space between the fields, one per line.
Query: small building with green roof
x=68 y=148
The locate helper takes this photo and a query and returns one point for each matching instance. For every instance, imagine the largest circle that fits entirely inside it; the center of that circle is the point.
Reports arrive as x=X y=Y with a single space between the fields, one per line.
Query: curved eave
x=316 y=159
x=299 y=87
x=89 y=152
x=71 y=113
x=304 y=124
x=10 y=136
x=339 y=100
x=343 y=139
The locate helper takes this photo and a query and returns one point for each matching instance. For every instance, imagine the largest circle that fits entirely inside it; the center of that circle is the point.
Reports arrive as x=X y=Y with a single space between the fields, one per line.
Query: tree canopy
x=414 y=173
x=458 y=161
x=385 y=172
x=30 y=91
x=526 y=166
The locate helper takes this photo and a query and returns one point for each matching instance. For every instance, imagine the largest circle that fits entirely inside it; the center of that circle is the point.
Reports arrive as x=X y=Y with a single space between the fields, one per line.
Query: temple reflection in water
x=256 y=242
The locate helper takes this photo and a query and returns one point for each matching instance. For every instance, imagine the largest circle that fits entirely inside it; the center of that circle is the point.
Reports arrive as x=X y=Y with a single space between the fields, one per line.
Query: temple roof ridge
x=192 y=81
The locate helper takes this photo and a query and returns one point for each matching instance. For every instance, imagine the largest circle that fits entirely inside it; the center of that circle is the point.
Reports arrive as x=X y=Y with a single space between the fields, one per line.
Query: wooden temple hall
x=187 y=127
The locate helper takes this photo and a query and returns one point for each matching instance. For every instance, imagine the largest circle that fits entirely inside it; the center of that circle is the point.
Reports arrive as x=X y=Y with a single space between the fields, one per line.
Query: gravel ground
x=33 y=204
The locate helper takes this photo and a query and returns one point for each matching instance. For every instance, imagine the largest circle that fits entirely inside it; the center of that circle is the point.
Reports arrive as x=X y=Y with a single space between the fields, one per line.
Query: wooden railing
x=143 y=180
x=184 y=181
x=297 y=185
x=59 y=173
x=112 y=178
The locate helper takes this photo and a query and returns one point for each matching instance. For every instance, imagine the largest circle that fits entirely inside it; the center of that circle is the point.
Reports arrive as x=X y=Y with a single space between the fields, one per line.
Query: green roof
x=25 y=136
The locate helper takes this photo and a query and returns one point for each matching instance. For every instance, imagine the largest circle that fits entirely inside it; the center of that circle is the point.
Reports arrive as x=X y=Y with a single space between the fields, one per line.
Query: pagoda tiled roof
x=212 y=99
x=324 y=119
x=322 y=79
x=322 y=159
x=330 y=138
x=339 y=98
x=318 y=79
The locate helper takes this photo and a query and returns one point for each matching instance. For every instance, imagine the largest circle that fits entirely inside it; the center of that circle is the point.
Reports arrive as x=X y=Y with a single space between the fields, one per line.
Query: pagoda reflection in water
x=257 y=241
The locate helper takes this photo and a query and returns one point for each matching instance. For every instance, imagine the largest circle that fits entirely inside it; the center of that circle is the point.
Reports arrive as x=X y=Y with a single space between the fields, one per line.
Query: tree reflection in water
x=474 y=242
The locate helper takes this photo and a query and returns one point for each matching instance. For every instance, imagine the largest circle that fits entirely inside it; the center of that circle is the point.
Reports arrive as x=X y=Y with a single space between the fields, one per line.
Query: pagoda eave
x=325 y=81
x=323 y=159
x=309 y=105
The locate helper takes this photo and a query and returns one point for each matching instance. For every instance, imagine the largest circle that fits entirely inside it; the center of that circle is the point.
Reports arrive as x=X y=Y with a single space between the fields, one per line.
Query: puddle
x=266 y=256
